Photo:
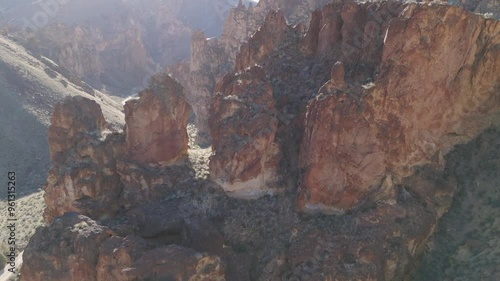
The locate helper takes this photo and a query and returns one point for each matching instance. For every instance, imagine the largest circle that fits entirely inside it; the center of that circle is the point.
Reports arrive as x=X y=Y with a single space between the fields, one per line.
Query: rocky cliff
x=375 y=96
x=348 y=124
x=411 y=115
x=374 y=101
x=244 y=116
x=212 y=58
x=29 y=88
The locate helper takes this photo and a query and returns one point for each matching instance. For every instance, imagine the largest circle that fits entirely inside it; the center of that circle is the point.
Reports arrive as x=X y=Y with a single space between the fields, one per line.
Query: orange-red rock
x=243 y=127
x=156 y=122
x=265 y=40
x=212 y=58
x=437 y=87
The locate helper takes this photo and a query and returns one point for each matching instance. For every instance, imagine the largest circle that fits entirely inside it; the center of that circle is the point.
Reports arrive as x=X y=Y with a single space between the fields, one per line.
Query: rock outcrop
x=66 y=250
x=83 y=175
x=212 y=58
x=28 y=93
x=243 y=122
x=416 y=111
x=375 y=96
x=84 y=250
x=297 y=64
x=96 y=172
x=156 y=122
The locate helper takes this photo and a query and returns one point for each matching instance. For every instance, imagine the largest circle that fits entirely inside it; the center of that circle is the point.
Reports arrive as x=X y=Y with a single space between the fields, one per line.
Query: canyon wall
x=346 y=122
x=212 y=58
x=113 y=44
x=426 y=98
x=371 y=122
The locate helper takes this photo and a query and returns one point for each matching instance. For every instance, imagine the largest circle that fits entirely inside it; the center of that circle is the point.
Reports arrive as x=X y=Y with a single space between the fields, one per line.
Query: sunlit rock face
x=114 y=43
x=243 y=125
x=350 y=120
x=156 y=122
x=353 y=93
x=96 y=172
x=435 y=88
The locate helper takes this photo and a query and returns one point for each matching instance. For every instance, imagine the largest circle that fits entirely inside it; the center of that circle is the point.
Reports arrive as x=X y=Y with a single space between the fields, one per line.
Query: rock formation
x=416 y=111
x=27 y=95
x=83 y=175
x=375 y=95
x=354 y=117
x=78 y=238
x=96 y=173
x=212 y=58
x=84 y=250
x=156 y=122
x=243 y=122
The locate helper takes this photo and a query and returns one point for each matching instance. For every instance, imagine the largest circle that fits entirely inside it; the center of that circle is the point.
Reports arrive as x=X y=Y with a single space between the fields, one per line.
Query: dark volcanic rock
x=73 y=247
x=157 y=218
x=68 y=249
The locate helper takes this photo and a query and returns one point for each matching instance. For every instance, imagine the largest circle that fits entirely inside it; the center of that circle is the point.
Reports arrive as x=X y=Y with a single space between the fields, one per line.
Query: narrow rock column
x=156 y=122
